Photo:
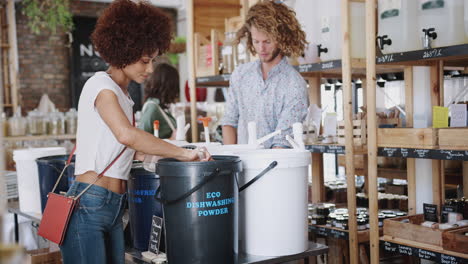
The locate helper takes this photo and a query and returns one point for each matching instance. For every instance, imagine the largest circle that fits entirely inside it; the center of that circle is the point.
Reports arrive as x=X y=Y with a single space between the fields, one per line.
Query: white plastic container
x=28 y=177
x=273 y=210
x=446 y=17
x=329 y=15
x=397 y=20
x=466 y=19
x=306 y=14
x=232 y=149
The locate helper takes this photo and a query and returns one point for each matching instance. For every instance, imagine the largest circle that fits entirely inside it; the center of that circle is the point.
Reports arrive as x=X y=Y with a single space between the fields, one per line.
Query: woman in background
x=161 y=89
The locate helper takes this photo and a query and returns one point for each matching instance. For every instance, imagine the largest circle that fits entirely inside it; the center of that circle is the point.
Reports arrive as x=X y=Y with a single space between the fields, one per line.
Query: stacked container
x=397 y=30
x=330 y=32
x=306 y=14
x=440 y=23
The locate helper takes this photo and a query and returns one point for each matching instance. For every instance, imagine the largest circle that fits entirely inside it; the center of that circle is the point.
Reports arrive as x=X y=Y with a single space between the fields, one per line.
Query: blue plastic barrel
x=142 y=186
x=49 y=170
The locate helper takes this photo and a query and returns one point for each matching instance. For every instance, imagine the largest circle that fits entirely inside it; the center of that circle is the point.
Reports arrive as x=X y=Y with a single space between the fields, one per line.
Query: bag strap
x=168 y=120
x=100 y=174
x=163 y=113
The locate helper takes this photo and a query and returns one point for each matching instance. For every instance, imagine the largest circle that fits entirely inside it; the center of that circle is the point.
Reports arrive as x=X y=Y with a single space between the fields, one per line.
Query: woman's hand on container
x=199 y=154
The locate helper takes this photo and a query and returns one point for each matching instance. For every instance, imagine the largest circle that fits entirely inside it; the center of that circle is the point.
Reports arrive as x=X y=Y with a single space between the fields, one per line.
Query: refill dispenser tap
x=429 y=35
x=206 y=122
x=382 y=41
x=320 y=50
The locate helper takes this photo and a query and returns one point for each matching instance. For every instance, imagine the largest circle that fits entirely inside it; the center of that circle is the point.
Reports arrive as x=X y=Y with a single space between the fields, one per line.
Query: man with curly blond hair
x=268 y=91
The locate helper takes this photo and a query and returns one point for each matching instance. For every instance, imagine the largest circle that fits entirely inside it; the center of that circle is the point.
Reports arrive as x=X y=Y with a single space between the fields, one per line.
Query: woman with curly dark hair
x=161 y=89
x=128 y=36
x=268 y=91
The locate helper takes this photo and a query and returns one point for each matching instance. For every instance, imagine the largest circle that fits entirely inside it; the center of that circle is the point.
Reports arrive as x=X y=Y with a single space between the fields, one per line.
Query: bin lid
x=34 y=153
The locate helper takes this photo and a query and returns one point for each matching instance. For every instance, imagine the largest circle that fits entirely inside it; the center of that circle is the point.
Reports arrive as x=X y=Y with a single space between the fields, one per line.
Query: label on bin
x=431 y=4
x=155 y=236
x=213 y=205
x=389 y=8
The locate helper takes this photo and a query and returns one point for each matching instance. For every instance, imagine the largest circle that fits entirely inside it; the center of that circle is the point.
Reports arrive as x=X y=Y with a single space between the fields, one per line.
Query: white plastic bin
x=446 y=17
x=397 y=20
x=273 y=210
x=329 y=15
x=28 y=178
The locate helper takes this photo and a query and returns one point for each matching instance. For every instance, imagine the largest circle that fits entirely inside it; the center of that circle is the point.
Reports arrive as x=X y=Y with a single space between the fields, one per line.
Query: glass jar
x=36 y=123
x=242 y=55
x=361 y=224
x=56 y=124
x=228 y=52
x=71 y=119
x=4 y=124
x=17 y=124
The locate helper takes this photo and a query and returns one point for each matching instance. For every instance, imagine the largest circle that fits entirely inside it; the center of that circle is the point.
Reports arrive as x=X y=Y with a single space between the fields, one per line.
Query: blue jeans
x=95 y=231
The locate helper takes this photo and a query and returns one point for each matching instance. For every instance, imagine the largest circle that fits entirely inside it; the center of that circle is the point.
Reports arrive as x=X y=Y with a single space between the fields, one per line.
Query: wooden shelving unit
x=41 y=137
x=422 y=251
x=438 y=59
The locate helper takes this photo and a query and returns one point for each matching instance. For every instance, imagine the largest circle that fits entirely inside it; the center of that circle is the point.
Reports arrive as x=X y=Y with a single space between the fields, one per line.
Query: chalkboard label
x=155 y=237
x=422 y=153
x=424 y=254
x=389 y=152
x=405 y=250
x=390 y=247
x=430 y=212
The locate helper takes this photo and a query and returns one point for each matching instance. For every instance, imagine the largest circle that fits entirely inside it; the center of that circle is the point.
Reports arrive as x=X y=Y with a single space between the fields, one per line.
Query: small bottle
x=156 y=128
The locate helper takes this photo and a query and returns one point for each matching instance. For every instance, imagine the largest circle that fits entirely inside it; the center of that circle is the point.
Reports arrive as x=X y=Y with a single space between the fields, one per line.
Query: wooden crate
x=453 y=138
x=207 y=54
x=397 y=122
x=358 y=161
x=359 y=132
x=425 y=138
x=455 y=240
x=413 y=230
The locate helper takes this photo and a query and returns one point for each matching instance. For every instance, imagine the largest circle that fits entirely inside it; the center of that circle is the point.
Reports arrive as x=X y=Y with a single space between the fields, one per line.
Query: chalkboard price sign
x=430 y=212
x=155 y=236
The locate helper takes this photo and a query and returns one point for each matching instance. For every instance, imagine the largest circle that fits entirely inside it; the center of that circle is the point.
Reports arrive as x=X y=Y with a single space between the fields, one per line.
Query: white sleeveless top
x=96 y=146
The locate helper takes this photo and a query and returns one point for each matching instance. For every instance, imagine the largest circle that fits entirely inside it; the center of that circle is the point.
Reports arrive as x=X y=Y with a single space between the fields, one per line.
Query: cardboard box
x=455 y=240
x=413 y=230
x=43 y=256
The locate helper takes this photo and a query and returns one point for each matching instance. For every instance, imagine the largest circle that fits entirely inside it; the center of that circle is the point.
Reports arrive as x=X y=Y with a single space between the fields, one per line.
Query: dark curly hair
x=280 y=22
x=128 y=30
x=163 y=84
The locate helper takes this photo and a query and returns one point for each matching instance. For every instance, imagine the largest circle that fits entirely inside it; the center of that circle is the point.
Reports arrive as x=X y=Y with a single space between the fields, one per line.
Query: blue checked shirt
x=275 y=103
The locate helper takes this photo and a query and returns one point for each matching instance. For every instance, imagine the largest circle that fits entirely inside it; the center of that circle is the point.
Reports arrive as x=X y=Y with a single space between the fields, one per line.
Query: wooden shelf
x=418 y=153
x=453 y=54
x=214 y=81
x=423 y=251
x=41 y=137
x=326 y=148
x=421 y=153
x=363 y=235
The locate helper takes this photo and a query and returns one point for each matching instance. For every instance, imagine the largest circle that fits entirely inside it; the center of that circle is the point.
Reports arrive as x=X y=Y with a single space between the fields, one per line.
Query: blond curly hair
x=278 y=21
